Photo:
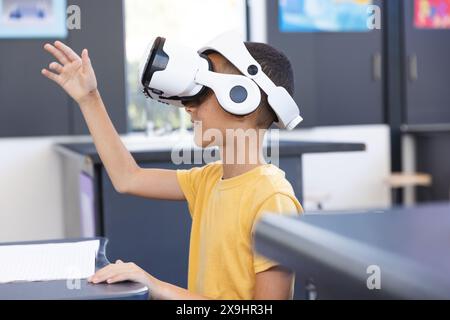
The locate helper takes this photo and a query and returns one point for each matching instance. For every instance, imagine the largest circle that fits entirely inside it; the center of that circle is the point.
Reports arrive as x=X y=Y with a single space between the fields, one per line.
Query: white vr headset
x=174 y=74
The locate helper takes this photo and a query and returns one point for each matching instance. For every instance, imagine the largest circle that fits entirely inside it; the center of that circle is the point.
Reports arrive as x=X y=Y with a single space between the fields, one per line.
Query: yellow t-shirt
x=222 y=263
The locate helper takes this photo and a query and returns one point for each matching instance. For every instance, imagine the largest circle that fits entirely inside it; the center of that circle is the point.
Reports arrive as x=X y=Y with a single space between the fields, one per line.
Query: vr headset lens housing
x=169 y=72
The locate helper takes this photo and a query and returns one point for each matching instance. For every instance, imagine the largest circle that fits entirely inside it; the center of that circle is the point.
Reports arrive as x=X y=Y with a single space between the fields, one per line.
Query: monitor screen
x=33 y=19
x=432 y=14
x=324 y=15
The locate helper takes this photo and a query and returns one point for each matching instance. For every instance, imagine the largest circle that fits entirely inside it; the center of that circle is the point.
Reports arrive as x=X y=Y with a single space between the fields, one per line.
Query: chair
x=397 y=181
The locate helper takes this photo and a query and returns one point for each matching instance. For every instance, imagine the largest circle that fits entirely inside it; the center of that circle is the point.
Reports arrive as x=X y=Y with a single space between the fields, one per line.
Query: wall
x=30 y=189
x=347 y=181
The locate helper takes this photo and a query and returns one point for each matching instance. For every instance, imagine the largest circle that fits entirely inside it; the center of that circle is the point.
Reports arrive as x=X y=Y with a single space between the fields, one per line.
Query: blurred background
x=370 y=72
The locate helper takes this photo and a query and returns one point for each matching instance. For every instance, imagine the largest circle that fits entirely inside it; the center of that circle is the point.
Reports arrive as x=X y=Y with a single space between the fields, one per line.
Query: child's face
x=210 y=118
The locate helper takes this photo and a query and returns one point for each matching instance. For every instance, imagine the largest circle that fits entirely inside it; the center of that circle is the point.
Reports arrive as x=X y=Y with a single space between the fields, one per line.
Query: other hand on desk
x=120 y=271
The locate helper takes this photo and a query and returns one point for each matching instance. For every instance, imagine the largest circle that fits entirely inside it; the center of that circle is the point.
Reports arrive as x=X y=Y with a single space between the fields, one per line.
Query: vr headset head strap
x=235 y=51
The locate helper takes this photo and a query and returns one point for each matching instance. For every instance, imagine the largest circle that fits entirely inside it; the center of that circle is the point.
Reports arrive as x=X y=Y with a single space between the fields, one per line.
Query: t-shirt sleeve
x=189 y=181
x=280 y=204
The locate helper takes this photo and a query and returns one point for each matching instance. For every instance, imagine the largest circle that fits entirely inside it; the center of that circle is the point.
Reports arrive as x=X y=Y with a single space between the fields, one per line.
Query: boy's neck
x=239 y=159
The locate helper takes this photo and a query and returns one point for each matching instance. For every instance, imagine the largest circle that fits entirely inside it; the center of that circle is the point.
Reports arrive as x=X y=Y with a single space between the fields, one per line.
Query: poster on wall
x=432 y=14
x=33 y=19
x=323 y=15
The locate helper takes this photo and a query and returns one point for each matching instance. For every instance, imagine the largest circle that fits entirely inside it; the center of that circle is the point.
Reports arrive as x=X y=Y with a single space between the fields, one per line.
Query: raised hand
x=72 y=72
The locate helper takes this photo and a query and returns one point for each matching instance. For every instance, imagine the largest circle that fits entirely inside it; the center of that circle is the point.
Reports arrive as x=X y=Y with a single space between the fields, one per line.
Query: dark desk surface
x=287 y=148
x=62 y=290
x=410 y=245
x=58 y=290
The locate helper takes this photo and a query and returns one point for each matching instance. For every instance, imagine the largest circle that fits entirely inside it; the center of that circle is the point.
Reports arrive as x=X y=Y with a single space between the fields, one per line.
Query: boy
x=225 y=198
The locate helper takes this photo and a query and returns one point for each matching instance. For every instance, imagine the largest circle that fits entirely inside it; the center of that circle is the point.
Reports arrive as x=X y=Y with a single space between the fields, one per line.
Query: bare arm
x=125 y=174
x=159 y=290
x=273 y=284
x=77 y=77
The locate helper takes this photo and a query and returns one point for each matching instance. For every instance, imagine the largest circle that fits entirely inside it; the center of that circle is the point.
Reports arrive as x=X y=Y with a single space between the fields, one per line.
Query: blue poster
x=33 y=19
x=324 y=15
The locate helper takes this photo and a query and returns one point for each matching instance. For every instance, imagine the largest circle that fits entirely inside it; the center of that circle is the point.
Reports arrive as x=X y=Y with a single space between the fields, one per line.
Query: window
x=193 y=23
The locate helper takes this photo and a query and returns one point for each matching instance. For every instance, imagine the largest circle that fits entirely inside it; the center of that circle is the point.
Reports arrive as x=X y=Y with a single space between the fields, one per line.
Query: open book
x=45 y=262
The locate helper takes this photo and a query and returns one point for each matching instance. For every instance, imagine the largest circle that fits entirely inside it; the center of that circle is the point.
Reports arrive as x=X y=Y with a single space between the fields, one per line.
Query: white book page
x=45 y=262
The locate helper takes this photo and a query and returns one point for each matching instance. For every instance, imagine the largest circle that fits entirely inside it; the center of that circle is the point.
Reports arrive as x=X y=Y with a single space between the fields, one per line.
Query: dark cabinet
x=427 y=71
x=426 y=113
x=338 y=75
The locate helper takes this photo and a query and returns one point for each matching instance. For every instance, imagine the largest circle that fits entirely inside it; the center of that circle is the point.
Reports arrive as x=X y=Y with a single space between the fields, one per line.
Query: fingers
x=55 y=66
x=67 y=51
x=102 y=274
x=105 y=276
x=59 y=55
x=109 y=272
x=120 y=277
x=52 y=76
x=119 y=272
x=86 y=64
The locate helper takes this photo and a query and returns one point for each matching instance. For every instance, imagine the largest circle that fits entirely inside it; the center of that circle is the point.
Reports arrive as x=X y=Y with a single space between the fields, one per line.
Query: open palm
x=72 y=72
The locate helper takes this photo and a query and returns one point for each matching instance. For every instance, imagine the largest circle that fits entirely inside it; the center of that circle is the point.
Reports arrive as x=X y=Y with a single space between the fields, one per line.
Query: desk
x=59 y=290
x=331 y=253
